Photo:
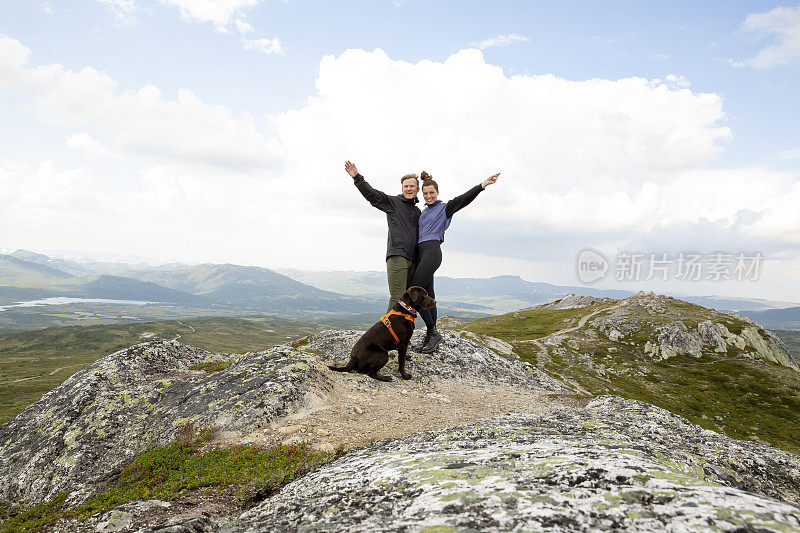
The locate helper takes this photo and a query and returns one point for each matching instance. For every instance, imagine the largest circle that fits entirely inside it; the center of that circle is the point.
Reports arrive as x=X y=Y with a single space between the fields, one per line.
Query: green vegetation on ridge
x=178 y=469
x=730 y=393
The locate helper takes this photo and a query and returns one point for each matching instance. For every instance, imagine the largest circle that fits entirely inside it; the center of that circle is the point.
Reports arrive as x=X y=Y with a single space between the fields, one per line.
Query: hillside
x=788 y=318
x=719 y=370
x=168 y=437
x=34 y=362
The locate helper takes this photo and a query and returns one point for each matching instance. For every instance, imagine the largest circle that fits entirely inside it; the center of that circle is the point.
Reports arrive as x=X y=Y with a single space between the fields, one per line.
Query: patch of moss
x=211 y=367
x=166 y=471
x=299 y=343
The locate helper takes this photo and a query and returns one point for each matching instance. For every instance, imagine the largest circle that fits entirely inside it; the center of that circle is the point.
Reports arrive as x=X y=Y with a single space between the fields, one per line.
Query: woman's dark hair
x=427 y=180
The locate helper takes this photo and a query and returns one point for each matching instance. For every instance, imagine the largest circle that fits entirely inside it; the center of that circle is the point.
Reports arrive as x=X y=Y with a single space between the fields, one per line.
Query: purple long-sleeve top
x=435 y=218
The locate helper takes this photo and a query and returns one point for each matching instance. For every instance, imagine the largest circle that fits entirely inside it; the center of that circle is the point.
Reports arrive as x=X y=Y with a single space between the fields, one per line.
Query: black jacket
x=401 y=215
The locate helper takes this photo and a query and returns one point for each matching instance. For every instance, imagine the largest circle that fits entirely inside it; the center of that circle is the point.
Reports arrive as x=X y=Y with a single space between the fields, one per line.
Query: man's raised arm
x=375 y=197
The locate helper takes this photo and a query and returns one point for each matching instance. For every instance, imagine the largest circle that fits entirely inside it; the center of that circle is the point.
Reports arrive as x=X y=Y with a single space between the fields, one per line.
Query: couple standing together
x=413 y=248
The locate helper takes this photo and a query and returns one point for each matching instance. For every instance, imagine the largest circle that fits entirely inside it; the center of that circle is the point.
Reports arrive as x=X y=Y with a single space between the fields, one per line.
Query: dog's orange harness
x=388 y=324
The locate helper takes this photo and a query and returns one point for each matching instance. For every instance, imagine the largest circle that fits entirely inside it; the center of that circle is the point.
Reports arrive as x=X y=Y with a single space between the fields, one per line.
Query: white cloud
x=790 y=154
x=124 y=10
x=580 y=160
x=142 y=123
x=219 y=12
x=784 y=24
x=267 y=46
x=584 y=163
x=90 y=146
x=499 y=40
x=242 y=26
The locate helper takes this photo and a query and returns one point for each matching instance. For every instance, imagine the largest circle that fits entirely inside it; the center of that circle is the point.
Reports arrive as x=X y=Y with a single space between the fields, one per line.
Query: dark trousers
x=429 y=258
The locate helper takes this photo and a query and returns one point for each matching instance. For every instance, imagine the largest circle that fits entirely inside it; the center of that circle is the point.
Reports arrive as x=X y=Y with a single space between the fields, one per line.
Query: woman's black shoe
x=433 y=341
x=420 y=346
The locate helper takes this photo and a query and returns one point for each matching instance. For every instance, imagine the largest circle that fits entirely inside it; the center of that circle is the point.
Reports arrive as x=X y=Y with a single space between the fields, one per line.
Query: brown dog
x=371 y=352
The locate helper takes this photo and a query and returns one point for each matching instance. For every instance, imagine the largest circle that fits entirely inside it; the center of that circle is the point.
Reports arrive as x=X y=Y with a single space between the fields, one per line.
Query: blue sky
x=252 y=142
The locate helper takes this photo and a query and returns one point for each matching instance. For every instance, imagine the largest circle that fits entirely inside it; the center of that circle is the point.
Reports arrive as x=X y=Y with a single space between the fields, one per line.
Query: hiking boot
x=433 y=341
x=418 y=347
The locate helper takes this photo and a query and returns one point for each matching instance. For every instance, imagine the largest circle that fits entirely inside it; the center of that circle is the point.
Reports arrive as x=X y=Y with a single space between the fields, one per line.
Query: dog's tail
x=346 y=368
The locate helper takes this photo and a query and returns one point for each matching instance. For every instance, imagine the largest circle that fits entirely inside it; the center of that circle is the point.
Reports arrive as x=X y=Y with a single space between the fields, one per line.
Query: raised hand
x=351 y=169
x=491 y=179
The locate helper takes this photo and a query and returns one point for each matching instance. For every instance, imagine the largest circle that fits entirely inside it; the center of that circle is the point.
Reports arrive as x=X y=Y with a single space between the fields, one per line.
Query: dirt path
x=359 y=410
x=543 y=357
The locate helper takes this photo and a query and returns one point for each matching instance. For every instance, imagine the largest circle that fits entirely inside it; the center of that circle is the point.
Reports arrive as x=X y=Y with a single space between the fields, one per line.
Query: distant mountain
x=354 y=282
x=724 y=303
x=78 y=267
x=16 y=272
x=788 y=318
x=252 y=288
x=120 y=288
x=504 y=293
x=499 y=293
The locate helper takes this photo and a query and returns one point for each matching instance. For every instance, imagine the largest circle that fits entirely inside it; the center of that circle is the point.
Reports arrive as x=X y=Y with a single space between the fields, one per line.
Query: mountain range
x=228 y=289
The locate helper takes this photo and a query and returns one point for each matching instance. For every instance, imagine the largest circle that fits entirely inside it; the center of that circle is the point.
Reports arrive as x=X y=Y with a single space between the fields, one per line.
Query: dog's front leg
x=401 y=357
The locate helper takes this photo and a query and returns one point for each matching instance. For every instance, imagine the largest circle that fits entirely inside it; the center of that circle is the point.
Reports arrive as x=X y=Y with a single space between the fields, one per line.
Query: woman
x=433 y=222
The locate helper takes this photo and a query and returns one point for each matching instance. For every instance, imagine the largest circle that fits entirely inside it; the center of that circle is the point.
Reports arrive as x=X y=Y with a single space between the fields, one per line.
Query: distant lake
x=61 y=300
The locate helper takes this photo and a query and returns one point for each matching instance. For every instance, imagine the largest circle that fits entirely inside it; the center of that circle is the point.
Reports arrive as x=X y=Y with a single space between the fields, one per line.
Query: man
x=403 y=219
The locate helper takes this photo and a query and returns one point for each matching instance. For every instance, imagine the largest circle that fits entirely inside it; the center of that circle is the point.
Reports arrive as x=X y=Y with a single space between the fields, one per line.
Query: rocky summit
x=477 y=440
x=618 y=464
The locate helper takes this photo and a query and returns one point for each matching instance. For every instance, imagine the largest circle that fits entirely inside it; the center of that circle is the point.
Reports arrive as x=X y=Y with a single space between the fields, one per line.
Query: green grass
x=34 y=362
x=525 y=324
x=751 y=398
x=167 y=472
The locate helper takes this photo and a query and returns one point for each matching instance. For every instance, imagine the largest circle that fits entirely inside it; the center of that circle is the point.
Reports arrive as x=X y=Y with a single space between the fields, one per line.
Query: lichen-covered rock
x=659 y=322
x=498 y=346
x=572 y=301
x=675 y=339
x=457 y=357
x=714 y=334
x=80 y=433
x=768 y=346
x=619 y=464
x=197 y=524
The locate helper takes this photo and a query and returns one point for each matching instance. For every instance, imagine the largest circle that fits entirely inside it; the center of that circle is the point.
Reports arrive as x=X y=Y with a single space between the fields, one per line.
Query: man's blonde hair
x=410 y=177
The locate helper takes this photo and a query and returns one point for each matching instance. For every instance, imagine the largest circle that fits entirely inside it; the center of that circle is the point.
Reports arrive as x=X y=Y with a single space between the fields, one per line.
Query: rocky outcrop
x=571 y=301
x=619 y=464
x=457 y=358
x=674 y=339
x=613 y=464
x=79 y=435
x=660 y=323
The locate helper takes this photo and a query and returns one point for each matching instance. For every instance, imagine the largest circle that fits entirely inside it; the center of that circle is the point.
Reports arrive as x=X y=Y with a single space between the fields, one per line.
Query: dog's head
x=418 y=298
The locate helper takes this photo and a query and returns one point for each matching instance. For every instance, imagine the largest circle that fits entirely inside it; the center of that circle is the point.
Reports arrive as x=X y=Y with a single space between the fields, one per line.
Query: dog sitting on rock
x=393 y=332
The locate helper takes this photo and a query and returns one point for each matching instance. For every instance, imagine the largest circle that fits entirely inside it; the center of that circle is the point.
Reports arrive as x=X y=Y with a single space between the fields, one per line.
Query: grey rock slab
x=198 y=524
x=80 y=434
x=618 y=465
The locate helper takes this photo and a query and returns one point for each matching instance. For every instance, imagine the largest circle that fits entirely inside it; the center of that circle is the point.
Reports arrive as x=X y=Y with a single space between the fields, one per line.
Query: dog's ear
x=417 y=294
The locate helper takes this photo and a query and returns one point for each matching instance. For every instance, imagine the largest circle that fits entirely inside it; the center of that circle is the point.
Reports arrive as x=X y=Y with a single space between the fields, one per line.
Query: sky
x=640 y=133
